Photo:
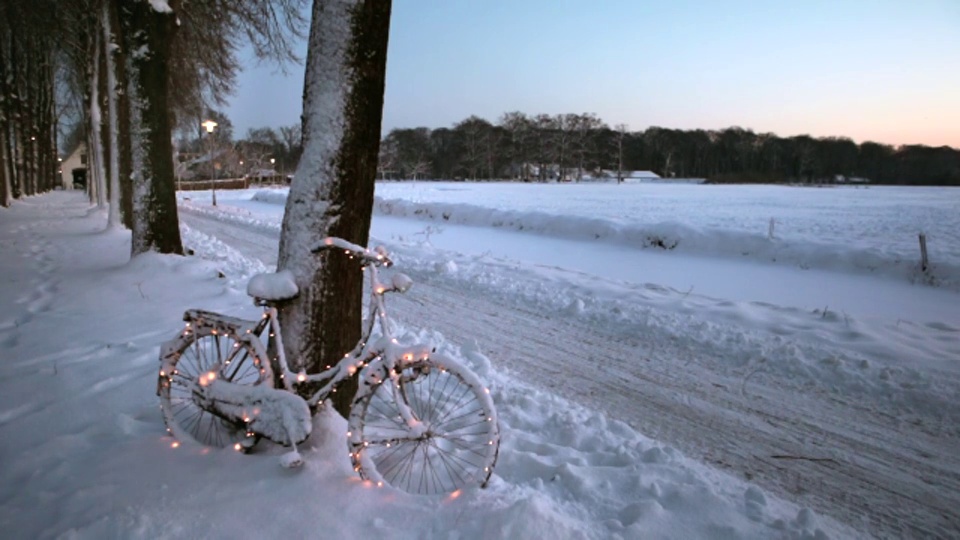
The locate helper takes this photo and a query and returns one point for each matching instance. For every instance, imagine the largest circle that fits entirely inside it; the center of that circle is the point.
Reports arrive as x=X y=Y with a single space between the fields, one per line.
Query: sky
x=881 y=70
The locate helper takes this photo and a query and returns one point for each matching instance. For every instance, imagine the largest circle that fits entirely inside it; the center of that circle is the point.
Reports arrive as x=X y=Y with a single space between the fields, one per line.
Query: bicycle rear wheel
x=202 y=354
x=459 y=445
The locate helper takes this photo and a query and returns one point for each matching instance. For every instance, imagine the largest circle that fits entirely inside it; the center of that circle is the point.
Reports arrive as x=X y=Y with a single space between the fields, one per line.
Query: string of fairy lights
x=198 y=326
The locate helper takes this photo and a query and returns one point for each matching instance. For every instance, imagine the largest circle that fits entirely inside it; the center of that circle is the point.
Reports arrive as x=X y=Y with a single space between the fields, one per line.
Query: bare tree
x=518 y=129
x=543 y=142
x=418 y=169
x=563 y=125
x=622 y=132
x=584 y=126
x=332 y=191
x=474 y=135
x=27 y=112
x=292 y=143
x=387 y=158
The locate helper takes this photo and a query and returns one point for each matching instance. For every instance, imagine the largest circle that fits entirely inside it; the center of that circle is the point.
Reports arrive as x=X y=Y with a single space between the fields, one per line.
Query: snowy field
x=871 y=230
x=84 y=453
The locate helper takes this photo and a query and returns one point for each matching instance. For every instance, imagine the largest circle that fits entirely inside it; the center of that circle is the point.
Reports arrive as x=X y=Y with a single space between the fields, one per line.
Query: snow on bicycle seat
x=273 y=286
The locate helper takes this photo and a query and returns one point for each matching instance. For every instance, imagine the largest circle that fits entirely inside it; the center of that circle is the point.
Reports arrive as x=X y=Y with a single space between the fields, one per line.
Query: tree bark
x=332 y=191
x=113 y=217
x=155 y=224
x=125 y=149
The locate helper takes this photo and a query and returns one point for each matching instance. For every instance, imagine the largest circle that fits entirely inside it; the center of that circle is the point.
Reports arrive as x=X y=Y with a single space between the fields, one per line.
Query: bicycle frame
x=374 y=360
x=230 y=391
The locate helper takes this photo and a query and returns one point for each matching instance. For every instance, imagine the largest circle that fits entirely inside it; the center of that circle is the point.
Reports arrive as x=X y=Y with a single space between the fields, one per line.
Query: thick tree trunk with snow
x=120 y=29
x=155 y=223
x=332 y=191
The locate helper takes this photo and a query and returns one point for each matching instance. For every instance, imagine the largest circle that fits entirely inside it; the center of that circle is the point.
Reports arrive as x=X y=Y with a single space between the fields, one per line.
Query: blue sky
x=883 y=70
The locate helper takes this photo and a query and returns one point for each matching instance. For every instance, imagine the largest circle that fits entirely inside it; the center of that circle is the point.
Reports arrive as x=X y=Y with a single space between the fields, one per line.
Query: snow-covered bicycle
x=420 y=421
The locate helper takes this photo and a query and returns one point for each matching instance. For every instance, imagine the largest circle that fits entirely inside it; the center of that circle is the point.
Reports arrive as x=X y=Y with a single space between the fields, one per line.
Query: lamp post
x=272 y=160
x=210 y=125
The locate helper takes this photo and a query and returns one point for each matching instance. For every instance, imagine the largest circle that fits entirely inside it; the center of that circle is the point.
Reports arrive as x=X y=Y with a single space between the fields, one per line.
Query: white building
x=76 y=161
x=638 y=176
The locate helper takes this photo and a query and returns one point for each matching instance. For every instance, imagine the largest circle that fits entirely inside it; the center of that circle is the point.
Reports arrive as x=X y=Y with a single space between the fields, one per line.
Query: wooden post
x=924 y=263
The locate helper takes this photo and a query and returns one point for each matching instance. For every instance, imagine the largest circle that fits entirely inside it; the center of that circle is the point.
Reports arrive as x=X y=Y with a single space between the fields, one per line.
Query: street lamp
x=210 y=125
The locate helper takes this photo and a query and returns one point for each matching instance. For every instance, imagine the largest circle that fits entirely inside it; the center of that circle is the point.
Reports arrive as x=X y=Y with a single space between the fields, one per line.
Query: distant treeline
x=576 y=146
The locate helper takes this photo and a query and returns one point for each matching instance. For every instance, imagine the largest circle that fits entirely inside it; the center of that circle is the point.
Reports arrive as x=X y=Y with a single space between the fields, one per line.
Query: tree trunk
x=332 y=191
x=113 y=217
x=123 y=117
x=155 y=225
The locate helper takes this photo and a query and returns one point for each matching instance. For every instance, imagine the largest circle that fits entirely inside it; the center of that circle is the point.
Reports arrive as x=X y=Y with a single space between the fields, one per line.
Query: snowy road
x=867 y=458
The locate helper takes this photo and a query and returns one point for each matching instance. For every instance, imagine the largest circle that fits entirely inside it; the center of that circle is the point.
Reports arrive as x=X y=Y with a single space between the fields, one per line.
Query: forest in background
x=573 y=146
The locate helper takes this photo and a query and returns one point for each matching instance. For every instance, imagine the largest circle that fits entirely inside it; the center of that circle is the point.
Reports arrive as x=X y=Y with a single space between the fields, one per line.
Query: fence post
x=923 y=252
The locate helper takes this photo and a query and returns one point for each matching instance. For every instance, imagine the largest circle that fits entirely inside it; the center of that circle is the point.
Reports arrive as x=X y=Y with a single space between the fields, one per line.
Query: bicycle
x=420 y=421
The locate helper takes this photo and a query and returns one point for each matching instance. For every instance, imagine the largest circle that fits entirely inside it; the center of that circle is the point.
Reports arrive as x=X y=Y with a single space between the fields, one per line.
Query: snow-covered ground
x=860 y=356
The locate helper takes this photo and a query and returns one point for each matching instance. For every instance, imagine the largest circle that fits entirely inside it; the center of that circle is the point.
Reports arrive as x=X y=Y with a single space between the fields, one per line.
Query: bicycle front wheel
x=455 y=447
x=205 y=353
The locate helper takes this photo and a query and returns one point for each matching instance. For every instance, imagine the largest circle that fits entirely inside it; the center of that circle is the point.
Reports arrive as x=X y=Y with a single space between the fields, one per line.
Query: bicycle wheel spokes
x=206 y=350
x=458 y=447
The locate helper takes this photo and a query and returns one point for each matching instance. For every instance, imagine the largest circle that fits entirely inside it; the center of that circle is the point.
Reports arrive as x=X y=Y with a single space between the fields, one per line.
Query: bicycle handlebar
x=376 y=257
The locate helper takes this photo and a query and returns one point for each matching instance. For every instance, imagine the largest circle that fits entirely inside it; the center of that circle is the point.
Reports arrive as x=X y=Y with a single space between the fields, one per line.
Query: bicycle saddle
x=273 y=286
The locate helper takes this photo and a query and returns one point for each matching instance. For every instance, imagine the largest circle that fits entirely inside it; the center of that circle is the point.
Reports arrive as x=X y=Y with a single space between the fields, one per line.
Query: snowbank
x=85 y=454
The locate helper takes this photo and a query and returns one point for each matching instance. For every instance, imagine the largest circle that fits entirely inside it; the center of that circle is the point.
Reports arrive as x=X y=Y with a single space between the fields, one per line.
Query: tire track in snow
x=855 y=461
x=877 y=478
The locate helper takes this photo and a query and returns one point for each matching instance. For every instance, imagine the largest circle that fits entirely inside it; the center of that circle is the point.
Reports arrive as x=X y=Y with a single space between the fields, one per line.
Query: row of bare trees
x=129 y=71
x=124 y=74
x=28 y=108
x=569 y=146
x=261 y=149
x=519 y=146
